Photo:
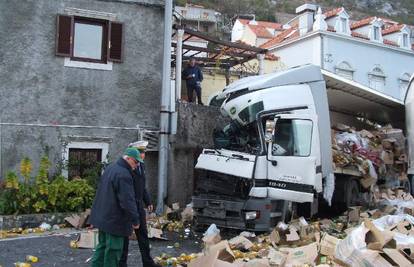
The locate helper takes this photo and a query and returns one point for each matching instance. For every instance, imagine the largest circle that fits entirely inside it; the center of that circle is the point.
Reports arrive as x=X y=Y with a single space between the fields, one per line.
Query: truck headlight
x=251 y=215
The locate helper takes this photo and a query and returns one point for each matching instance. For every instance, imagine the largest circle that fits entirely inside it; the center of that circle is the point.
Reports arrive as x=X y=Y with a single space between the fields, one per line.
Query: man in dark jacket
x=114 y=211
x=193 y=76
x=143 y=201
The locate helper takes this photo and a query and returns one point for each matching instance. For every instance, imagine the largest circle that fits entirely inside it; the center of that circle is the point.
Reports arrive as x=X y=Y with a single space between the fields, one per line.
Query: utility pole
x=165 y=110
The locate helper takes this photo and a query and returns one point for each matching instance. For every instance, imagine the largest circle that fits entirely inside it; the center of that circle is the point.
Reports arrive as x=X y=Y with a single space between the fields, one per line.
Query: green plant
x=42 y=194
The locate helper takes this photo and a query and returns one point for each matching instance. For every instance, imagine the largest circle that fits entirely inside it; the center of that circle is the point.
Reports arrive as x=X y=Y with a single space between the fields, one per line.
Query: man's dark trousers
x=143 y=242
x=197 y=89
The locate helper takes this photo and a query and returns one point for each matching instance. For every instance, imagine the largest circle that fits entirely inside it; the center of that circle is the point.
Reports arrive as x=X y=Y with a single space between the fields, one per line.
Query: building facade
x=254 y=32
x=374 y=52
x=79 y=79
x=198 y=18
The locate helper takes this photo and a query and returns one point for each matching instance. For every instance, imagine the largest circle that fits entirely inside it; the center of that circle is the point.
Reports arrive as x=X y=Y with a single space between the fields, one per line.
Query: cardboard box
x=223 y=251
x=397 y=257
x=88 y=239
x=377 y=239
x=276 y=257
x=241 y=242
x=328 y=245
x=387 y=157
x=301 y=255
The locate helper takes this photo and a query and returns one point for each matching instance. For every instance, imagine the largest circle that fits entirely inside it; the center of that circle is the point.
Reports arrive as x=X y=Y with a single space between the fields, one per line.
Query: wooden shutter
x=64 y=28
x=115 y=46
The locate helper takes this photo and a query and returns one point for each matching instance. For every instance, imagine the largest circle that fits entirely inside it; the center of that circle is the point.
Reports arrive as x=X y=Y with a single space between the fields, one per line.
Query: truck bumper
x=232 y=213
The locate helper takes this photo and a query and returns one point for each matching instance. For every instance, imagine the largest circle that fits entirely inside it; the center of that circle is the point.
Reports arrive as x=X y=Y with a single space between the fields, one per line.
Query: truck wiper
x=237 y=156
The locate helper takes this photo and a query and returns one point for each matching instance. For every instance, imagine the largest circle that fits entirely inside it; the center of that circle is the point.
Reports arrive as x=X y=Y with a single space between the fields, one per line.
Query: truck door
x=291 y=168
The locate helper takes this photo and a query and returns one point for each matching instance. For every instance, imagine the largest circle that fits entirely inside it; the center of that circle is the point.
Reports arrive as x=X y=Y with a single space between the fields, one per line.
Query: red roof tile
x=287 y=34
x=333 y=12
x=267 y=24
x=392 y=29
x=271 y=57
x=388 y=42
x=361 y=23
x=260 y=31
x=358 y=35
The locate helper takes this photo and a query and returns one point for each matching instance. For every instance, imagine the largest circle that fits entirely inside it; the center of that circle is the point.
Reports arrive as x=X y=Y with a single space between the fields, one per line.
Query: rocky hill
x=279 y=10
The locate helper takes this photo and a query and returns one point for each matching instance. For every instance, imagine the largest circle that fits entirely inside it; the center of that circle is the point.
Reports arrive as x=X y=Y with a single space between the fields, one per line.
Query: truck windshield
x=237 y=137
x=292 y=138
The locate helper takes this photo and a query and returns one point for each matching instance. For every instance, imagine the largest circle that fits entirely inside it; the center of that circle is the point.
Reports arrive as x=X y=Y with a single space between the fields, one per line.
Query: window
x=292 y=138
x=405 y=40
x=404 y=80
x=82 y=158
x=377 y=79
x=88 y=39
x=376 y=32
x=84 y=162
x=345 y=70
x=344 y=25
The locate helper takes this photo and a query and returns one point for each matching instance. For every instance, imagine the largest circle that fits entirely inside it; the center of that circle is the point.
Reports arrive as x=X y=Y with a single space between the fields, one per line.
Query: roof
x=358 y=35
x=392 y=29
x=260 y=31
x=286 y=34
x=333 y=12
x=267 y=24
x=361 y=23
x=388 y=42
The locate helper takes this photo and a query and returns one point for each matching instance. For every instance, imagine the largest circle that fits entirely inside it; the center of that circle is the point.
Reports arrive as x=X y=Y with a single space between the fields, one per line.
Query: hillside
x=273 y=10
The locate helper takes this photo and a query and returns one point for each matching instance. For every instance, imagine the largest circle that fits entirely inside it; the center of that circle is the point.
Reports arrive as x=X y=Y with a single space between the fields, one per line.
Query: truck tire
x=406 y=185
x=352 y=193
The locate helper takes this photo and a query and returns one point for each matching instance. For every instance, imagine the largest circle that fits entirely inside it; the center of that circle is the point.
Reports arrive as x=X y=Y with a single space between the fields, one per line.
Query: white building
x=198 y=18
x=254 y=32
x=373 y=52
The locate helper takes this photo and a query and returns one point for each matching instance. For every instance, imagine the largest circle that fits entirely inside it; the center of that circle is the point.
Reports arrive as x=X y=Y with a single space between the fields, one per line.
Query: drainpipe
x=165 y=109
x=261 y=57
x=178 y=63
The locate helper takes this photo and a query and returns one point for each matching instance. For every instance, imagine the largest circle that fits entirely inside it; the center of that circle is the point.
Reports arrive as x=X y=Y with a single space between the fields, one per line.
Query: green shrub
x=40 y=194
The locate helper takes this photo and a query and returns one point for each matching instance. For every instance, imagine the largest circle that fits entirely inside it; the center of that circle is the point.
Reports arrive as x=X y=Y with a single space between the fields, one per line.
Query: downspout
x=322 y=52
x=178 y=63
x=165 y=110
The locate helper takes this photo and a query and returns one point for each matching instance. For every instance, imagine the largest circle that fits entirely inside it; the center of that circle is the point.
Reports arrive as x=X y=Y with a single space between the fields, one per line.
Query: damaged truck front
x=276 y=153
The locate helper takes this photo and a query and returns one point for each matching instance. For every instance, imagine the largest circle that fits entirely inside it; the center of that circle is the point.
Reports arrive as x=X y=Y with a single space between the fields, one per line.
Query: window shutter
x=64 y=35
x=116 y=35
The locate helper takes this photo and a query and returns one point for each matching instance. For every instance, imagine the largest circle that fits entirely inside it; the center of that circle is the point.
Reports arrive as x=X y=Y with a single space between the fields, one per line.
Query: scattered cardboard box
x=241 y=242
x=88 y=239
x=328 y=245
x=301 y=255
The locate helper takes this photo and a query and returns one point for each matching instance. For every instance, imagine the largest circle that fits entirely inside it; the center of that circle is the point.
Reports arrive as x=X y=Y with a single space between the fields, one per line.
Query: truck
x=274 y=157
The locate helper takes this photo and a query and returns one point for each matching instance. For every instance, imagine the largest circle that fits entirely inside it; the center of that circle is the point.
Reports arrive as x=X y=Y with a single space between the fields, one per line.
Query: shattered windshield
x=237 y=137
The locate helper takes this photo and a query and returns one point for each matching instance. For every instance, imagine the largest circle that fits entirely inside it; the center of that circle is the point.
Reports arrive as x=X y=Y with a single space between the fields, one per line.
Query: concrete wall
x=42 y=101
x=195 y=132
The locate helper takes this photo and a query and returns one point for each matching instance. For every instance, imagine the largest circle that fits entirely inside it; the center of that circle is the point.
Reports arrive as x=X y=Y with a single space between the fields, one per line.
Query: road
x=56 y=251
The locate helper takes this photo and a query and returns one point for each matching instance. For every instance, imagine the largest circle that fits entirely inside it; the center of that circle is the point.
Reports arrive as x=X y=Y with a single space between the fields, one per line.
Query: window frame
x=79 y=168
x=376 y=33
x=104 y=44
x=405 y=40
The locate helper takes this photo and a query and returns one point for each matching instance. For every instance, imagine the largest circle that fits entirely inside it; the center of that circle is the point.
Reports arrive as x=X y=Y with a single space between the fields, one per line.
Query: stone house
x=79 y=79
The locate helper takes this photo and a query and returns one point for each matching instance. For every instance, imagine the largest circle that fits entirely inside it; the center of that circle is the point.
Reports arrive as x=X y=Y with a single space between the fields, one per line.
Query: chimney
x=306 y=14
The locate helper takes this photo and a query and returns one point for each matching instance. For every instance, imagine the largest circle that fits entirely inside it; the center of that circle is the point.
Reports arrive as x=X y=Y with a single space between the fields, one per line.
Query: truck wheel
x=406 y=185
x=352 y=193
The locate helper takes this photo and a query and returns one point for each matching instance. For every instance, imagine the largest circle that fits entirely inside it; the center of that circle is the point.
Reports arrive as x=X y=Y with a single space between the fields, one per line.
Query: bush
x=40 y=194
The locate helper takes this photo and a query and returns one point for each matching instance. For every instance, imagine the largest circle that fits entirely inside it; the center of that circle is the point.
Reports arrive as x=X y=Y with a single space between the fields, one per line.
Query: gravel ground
x=55 y=250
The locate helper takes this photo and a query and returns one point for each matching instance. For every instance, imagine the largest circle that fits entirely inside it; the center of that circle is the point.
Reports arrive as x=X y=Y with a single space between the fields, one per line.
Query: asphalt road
x=56 y=251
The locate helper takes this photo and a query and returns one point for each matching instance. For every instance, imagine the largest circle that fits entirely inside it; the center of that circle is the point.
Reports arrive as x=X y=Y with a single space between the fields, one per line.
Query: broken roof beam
x=212 y=51
x=221 y=42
